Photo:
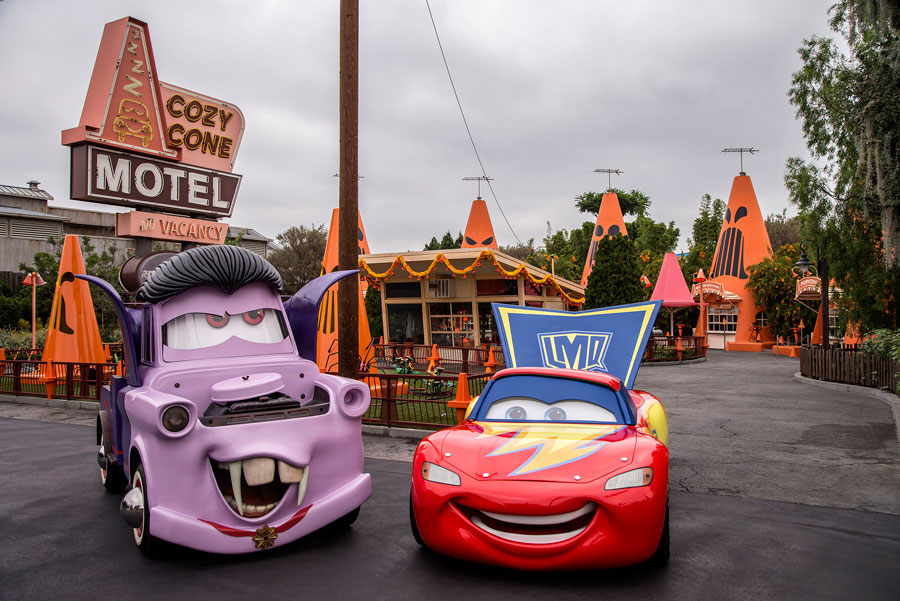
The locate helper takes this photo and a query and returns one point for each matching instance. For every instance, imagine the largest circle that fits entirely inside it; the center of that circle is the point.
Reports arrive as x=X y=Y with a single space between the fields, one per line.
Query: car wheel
x=142 y=537
x=112 y=475
x=346 y=521
x=661 y=555
x=412 y=524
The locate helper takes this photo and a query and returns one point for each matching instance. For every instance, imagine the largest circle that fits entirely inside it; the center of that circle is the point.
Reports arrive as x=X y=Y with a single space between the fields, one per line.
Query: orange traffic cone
x=463 y=398
x=491 y=363
x=435 y=359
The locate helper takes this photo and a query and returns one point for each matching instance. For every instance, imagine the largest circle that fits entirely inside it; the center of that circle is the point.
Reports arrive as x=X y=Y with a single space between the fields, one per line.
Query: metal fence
x=54 y=380
x=454 y=359
x=848 y=365
x=415 y=400
x=665 y=348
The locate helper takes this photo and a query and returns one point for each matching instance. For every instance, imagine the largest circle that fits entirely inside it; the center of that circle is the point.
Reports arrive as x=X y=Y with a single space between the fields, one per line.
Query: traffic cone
x=463 y=398
x=435 y=359
x=491 y=363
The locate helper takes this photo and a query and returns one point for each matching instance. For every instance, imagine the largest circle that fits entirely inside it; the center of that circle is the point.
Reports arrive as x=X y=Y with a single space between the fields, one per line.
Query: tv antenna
x=609 y=174
x=357 y=177
x=742 y=151
x=479 y=179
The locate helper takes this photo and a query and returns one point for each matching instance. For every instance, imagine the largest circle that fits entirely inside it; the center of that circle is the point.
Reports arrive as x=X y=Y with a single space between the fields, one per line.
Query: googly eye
x=555 y=414
x=218 y=321
x=516 y=413
x=253 y=317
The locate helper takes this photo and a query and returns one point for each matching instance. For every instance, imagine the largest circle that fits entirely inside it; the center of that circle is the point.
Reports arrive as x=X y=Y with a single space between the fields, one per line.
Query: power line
x=466 y=123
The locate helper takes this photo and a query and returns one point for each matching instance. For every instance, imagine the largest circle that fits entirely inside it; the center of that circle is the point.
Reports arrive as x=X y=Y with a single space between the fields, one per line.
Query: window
x=761 y=319
x=405 y=323
x=497 y=287
x=403 y=290
x=451 y=323
x=487 y=329
x=722 y=319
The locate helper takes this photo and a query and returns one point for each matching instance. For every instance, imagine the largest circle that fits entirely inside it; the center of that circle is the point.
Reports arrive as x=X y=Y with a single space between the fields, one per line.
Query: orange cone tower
x=72 y=332
x=479 y=231
x=610 y=222
x=326 y=344
x=743 y=241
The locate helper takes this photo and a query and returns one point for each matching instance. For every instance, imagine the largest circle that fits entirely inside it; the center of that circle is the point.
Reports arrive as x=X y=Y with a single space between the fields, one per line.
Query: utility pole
x=348 y=203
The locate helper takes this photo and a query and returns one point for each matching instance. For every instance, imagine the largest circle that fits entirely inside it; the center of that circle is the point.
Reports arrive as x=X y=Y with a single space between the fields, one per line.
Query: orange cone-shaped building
x=743 y=241
x=479 y=231
x=326 y=344
x=610 y=222
x=72 y=332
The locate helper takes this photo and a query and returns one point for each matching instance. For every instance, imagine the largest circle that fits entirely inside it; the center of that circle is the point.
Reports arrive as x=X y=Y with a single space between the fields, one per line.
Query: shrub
x=883 y=342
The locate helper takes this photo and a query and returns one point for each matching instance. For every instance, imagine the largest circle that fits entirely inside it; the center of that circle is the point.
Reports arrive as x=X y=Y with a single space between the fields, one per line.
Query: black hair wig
x=220 y=266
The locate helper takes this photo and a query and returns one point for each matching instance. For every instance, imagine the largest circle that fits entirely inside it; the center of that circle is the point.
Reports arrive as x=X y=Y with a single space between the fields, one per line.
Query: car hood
x=538 y=451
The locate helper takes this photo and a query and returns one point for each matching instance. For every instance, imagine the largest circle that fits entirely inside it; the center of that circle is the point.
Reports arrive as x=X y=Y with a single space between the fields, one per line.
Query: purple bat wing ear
x=129 y=321
x=303 y=310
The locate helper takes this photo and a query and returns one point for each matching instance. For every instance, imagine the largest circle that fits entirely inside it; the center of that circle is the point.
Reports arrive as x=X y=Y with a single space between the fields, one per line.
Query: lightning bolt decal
x=551 y=448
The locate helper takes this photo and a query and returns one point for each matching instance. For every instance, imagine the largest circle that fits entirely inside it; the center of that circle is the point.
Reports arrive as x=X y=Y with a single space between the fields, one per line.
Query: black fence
x=54 y=380
x=454 y=359
x=666 y=348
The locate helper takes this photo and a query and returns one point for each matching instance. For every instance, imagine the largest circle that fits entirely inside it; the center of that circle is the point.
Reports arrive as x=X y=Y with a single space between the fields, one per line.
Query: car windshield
x=528 y=398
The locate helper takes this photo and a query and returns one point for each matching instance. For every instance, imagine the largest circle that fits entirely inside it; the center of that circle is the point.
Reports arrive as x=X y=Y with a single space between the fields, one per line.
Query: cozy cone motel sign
x=146 y=144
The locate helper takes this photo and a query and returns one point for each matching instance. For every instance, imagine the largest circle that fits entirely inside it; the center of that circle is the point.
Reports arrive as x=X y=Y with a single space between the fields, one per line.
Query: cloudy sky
x=551 y=89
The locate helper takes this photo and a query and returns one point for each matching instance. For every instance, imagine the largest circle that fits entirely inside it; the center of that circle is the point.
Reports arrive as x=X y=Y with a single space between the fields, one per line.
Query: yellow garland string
x=400 y=260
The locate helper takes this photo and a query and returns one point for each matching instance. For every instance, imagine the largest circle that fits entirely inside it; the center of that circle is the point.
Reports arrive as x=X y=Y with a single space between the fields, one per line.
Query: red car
x=552 y=469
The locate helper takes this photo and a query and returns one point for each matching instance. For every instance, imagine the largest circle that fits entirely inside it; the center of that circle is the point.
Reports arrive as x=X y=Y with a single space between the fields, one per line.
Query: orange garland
x=485 y=254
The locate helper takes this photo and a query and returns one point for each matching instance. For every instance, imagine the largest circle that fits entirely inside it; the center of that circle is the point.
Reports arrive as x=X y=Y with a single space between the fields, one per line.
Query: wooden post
x=348 y=253
x=823 y=275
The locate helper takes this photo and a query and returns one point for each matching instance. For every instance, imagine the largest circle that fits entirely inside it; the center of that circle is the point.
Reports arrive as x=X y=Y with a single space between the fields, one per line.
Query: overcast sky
x=551 y=89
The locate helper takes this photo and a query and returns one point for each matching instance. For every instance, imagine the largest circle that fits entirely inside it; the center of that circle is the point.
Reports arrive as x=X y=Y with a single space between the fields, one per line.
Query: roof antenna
x=742 y=151
x=480 y=178
x=609 y=173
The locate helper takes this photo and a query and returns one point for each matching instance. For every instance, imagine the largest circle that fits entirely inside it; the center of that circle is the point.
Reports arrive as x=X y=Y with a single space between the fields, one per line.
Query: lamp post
x=34 y=280
x=700 y=278
x=805 y=265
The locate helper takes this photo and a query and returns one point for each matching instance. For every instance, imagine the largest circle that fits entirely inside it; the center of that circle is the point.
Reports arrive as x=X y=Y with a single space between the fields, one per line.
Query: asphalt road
x=779 y=491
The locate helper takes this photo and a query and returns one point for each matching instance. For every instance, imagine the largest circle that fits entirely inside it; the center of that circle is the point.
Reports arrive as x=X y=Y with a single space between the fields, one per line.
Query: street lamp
x=804 y=265
x=34 y=280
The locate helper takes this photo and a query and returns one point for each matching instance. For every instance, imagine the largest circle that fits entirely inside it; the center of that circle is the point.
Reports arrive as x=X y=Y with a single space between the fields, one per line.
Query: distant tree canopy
x=448 y=241
x=299 y=259
x=704 y=237
x=783 y=230
x=632 y=203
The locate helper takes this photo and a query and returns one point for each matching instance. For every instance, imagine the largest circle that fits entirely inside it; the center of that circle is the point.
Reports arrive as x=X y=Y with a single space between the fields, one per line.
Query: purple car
x=226 y=434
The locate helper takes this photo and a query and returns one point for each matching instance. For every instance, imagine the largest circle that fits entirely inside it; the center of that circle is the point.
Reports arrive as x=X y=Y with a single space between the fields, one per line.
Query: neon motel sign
x=146 y=144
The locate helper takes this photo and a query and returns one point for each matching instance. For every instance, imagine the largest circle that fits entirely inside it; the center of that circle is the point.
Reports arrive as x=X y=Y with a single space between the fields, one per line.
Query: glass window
x=451 y=323
x=405 y=324
x=487 y=329
x=403 y=289
x=497 y=287
x=723 y=319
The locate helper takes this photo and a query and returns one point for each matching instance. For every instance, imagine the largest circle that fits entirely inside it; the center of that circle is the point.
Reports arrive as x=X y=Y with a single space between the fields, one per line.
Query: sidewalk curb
x=44 y=402
x=891 y=399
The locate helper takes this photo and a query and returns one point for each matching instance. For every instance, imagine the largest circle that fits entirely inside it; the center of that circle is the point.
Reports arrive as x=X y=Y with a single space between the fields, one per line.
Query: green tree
x=704 y=237
x=299 y=259
x=446 y=242
x=631 y=203
x=372 y=300
x=783 y=230
x=104 y=265
x=849 y=106
x=615 y=278
x=523 y=251
x=773 y=284
x=653 y=238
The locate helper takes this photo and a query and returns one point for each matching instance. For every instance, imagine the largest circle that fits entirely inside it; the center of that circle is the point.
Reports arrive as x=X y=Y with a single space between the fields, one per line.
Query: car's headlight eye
x=175 y=418
x=435 y=473
x=633 y=479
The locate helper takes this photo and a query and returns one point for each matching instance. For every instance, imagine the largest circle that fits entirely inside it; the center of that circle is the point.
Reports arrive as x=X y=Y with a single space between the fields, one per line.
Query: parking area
x=779 y=490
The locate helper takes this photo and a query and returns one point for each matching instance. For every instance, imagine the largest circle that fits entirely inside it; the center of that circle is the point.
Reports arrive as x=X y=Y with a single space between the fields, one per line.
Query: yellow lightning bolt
x=553 y=446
